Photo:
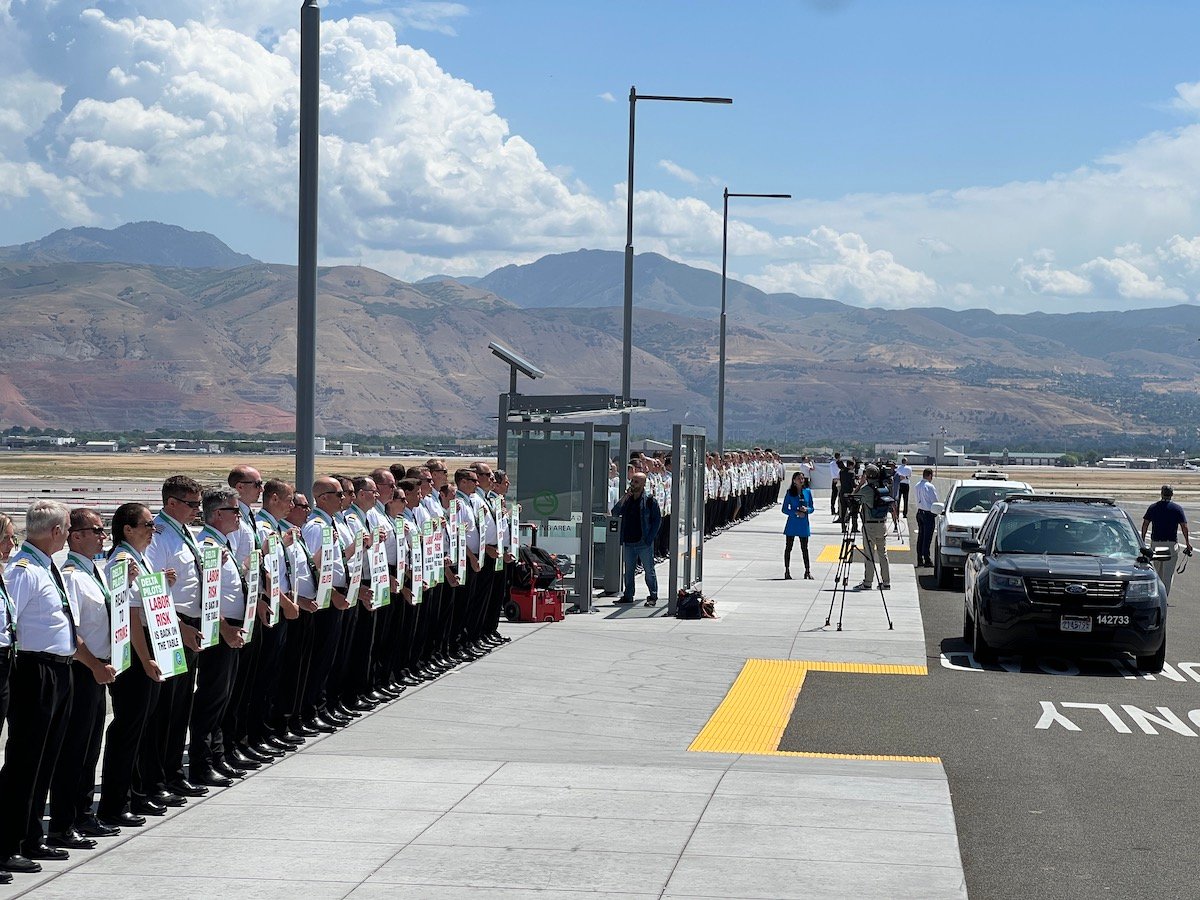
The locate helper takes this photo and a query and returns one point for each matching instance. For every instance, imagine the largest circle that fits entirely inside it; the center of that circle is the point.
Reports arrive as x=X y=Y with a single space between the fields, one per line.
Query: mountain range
x=151 y=326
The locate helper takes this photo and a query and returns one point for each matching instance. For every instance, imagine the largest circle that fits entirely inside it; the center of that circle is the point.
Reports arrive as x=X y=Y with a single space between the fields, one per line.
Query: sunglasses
x=327 y=493
x=191 y=504
x=233 y=509
x=301 y=505
x=94 y=529
x=142 y=525
x=257 y=483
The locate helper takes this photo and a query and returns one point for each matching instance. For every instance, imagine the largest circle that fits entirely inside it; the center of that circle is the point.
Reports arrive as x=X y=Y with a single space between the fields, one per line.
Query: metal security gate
x=687 y=512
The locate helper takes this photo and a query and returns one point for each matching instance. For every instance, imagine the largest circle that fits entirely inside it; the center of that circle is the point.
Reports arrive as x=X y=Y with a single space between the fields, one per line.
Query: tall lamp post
x=721 y=365
x=627 y=345
x=306 y=287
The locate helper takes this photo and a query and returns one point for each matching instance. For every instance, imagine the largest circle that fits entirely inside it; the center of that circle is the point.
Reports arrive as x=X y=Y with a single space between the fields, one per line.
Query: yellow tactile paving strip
x=752 y=717
x=832 y=552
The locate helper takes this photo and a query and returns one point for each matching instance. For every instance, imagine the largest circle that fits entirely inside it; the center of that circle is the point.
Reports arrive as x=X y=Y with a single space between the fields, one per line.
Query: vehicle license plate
x=1076 y=623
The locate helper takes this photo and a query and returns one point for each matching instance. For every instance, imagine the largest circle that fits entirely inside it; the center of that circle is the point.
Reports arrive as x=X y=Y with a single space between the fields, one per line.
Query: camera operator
x=875 y=504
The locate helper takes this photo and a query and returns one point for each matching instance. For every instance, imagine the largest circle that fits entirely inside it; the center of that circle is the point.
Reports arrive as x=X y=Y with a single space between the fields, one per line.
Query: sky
x=1015 y=156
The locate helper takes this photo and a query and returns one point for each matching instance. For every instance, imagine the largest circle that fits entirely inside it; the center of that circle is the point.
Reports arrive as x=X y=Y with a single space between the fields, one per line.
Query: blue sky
x=1016 y=156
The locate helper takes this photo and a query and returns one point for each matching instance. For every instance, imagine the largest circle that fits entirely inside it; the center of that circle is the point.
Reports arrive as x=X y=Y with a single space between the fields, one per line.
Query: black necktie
x=62 y=592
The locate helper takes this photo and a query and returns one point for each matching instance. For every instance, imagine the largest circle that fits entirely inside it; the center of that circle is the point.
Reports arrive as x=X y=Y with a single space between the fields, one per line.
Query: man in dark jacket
x=640 y=521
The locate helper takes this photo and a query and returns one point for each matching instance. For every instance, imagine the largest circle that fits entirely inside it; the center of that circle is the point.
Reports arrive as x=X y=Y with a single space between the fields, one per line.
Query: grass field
x=204 y=467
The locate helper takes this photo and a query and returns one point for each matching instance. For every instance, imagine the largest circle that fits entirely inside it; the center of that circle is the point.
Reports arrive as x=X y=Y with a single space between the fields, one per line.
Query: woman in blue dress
x=797 y=505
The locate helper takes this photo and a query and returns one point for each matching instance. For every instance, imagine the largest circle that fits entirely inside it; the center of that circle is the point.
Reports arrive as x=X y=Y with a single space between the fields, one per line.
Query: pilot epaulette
x=22 y=563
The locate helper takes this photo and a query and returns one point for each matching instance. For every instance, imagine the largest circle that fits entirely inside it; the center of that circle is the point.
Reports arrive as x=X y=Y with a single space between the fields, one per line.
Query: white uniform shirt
x=41 y=610
x=468 y=506
x=488 y=538
x=905 y=473
x=341 y=541
x=131 y=556
x=242 y=540
x=89 y=604
x=233 y=588
x=267 y=524
x=170 y=550
x=377 y=518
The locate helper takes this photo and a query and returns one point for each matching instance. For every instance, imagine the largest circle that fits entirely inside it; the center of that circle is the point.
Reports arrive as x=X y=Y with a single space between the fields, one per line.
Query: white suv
x=962 y=514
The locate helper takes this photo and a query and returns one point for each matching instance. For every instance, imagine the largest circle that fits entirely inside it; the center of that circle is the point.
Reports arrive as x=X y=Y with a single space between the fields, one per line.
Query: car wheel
x=980 y=648
x=940 y=573
x=1155 y=661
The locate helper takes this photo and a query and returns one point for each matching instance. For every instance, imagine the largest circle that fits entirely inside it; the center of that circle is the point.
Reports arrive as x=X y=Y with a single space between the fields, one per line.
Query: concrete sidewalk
x=559 y=765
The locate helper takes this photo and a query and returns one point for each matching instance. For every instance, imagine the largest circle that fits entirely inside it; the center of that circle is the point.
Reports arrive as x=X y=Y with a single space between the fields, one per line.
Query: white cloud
x=842 y=266
x=1041 y=278
x=1127 y=281
x=607 y=97
x=936 y=246
x=684 y=175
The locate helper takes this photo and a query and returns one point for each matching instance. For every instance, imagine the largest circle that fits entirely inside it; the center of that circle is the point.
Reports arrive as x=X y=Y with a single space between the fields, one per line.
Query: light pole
x=627 y=345
x=721 y=365
x=306 y=262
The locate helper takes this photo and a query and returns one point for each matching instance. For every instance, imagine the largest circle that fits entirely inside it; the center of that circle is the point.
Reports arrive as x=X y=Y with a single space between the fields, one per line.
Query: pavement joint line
x=755 y=712
x=691 y=834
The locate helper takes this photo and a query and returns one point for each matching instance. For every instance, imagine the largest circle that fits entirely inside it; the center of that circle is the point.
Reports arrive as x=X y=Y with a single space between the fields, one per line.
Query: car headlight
x=1142 y=589
x=999 y=582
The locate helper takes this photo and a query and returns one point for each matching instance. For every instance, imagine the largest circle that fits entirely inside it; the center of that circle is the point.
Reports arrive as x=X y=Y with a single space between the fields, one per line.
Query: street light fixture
x=627 y=344
x=724 y=256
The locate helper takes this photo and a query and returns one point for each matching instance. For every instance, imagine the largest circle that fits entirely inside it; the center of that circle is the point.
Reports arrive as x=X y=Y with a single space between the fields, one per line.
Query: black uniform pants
x=133 y=695
x=481 y=597
x=326 y=633
x=74 y=783
x=235 y=727
x=167 y=732
x=5 y=669
x=338 y=678
x=260 y=708
x=215 y=677
x=41 y=704
x=358 y=671
x=297 y=656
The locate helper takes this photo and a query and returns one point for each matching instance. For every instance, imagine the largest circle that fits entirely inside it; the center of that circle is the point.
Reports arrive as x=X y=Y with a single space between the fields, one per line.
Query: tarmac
x=620 y=754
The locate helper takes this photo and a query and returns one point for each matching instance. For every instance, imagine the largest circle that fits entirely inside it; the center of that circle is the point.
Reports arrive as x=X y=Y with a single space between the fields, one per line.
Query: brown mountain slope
x=109 y=346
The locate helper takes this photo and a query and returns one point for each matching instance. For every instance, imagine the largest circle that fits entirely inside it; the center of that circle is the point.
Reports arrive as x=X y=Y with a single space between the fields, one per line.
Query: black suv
x=1066 y=574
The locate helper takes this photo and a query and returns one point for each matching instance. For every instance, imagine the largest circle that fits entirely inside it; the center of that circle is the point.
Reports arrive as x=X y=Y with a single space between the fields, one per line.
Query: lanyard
x=186 y=536
x=34 y=555
x=10 y=613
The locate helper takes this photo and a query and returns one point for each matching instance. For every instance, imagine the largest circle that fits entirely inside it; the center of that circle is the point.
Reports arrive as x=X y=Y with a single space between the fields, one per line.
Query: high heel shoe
x=808 y=576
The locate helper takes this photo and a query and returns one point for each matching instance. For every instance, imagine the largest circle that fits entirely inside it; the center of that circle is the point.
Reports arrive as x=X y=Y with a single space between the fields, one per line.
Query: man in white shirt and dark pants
x=927 y=495
x=904 y=470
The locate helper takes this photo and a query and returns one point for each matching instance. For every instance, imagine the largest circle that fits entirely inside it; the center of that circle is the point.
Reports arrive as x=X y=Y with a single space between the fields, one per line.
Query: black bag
x=535 y=569
x=690 y=605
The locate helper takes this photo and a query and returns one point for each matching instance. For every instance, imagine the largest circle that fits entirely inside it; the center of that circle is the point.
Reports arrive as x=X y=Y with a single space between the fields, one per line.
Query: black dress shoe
x=278 y=744
x=70 y=840
x=359 y=706
x=45 y=851
x=292 y=740
x=210 y=778
x=329 y=717
x=185 y=788
x=266 y=749
x=169 y=798
x=144 y=806
x=240 y=760
x=221 y=767
x=408 y=678
x=5 y=877
x=90 y=826
x=304 y=730
x=123 y=819
x=316 y=726
x=19 y=863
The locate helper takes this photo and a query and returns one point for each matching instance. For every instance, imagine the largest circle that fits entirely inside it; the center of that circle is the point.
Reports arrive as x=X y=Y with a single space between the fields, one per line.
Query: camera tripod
x=841 y=578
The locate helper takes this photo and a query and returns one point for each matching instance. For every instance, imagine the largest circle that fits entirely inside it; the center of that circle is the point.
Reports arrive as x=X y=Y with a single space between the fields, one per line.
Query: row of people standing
x=739 y=484
x=233 y=639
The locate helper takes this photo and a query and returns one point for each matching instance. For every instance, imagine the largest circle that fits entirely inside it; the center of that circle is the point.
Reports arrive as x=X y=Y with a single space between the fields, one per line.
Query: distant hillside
x=137 y=243
x=116 y=346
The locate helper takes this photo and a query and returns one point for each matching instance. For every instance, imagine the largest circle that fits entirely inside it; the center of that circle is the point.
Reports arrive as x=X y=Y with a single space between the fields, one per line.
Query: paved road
x=1070 y=779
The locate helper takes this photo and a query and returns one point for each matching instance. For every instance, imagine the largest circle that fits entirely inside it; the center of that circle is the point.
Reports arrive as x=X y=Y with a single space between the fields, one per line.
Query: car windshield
x=981 y=499
x=1066 y=534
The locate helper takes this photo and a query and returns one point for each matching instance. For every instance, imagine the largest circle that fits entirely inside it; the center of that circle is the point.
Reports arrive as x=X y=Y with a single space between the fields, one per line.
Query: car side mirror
x=1146 y=554
x=938 y=508
x=970 y=546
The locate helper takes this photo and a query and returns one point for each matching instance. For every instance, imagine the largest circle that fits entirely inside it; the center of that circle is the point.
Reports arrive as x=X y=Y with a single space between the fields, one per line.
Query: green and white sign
x=163 y=624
